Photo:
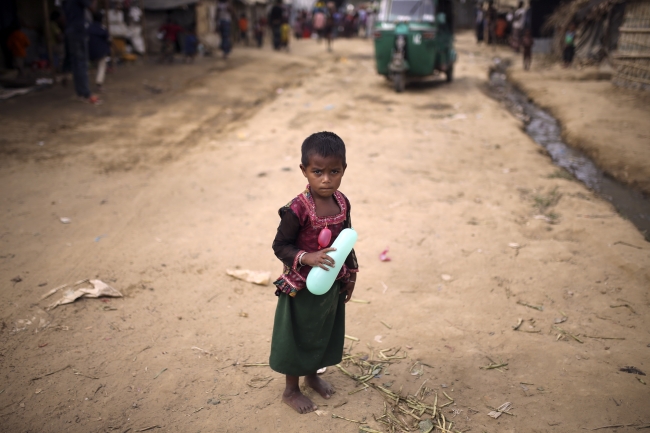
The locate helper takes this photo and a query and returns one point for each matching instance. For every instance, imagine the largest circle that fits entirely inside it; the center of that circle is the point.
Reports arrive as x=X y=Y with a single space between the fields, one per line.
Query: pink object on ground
x=384 y=256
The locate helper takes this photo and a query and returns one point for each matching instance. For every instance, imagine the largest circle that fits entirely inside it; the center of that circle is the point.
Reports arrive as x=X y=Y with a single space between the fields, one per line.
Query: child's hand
x=348 y=289
x=319 y=258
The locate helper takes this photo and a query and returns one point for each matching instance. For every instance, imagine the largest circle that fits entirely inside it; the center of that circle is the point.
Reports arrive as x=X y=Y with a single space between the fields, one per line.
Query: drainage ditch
x=546 y=131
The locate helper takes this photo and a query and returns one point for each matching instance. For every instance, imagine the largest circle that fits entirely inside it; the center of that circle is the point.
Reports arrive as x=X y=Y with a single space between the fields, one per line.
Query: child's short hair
x=324 y=144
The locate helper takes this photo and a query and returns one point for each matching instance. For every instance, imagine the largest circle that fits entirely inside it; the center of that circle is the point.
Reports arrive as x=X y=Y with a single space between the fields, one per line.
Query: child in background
x=308 y=329
x=527 y=45
x=99 y=47
x=259 y=32
x=17 y=44
x=285 y=30
x=569 y=45
x=243 y=28
x=190 y=46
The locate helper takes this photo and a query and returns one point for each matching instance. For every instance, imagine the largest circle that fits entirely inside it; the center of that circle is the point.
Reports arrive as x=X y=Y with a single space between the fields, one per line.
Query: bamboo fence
x=632 y=58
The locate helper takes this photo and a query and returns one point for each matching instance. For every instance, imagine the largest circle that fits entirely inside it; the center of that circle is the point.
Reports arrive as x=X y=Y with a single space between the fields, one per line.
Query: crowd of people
x=513 y=27
x=74 y=44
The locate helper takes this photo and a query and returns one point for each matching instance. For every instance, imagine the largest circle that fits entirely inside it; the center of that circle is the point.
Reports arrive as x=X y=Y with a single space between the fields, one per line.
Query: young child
x=569 y=45
x=190 y=45
x=99 y=47
x=308 y=330
x=17 y=44
x=243 y=28
x=285 y=30
x=527 y=45
x=259 y=32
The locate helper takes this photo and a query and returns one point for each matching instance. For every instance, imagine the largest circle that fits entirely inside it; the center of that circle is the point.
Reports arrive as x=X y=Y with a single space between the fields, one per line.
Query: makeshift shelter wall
x=632 y=59
x=464 y=14
x=31 y=14
x=206 y=28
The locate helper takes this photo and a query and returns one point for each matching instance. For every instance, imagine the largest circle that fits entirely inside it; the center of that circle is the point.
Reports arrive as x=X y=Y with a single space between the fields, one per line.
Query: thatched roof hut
x=597 y=27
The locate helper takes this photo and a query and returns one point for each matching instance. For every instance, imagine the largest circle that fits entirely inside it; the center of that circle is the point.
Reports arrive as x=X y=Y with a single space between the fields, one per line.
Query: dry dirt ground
x=166 y=188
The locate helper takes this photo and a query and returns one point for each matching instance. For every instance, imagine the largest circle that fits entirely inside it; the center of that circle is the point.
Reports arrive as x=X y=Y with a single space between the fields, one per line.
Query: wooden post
x=48 y=41
x=143 y=32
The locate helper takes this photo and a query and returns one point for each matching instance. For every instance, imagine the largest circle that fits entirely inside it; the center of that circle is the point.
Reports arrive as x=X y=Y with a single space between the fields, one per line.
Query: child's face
x=324 y=174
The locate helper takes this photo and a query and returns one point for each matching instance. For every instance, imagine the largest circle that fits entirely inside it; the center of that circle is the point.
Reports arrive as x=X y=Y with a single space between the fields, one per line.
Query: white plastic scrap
x=503 y=408
x=99 y=288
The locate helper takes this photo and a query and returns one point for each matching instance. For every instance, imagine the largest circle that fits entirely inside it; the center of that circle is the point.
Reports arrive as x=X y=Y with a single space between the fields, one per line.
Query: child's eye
x=317 y=172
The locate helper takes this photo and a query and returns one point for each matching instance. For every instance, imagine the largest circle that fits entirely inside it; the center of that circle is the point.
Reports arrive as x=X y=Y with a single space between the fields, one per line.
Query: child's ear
x=304 y=170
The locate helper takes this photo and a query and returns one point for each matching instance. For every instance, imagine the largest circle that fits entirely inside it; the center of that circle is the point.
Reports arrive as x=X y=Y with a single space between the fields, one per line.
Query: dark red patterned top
x=298 y=232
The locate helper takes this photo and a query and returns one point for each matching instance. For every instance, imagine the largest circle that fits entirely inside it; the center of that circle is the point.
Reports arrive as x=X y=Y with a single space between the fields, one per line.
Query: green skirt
x=308 y=332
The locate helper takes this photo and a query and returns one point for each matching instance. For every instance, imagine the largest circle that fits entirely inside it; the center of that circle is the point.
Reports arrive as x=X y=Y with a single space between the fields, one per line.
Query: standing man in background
x=275 y=20
x=75 y=34
x=518 y=26
x=225 y=15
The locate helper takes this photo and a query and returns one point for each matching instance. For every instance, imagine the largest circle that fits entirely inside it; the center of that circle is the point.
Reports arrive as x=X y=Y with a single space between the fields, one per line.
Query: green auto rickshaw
x=414 y=38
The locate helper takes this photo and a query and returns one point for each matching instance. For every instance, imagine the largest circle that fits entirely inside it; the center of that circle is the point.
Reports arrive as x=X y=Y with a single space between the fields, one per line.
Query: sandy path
x=440 y=174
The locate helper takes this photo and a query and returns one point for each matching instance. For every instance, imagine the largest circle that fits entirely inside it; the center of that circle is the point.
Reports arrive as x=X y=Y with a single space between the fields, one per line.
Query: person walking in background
x=99 y=48
x=527 y=45
x=490 y=23
x=479 y=23
x=243 y=28
x=17 y=44
x=569 y=45
x=259 y=32
x=56 y=39
x=75 y=34
x=518 y=26
x=319 y=19
x=275 y=21
x=330 y=25
x=224 y=18
x=190 y=45
x=285 y=31
x=169 y=32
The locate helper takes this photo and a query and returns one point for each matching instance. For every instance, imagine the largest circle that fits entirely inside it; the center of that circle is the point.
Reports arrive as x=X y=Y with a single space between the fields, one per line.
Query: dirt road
x=166 y=189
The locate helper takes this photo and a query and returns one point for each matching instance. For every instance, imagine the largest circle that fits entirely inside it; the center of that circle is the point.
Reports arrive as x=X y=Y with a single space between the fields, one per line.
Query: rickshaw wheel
x=450 y=74
x=399 y=82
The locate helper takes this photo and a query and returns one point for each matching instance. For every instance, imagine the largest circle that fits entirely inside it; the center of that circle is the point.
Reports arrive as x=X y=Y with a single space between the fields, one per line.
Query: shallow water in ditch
x=545 y=130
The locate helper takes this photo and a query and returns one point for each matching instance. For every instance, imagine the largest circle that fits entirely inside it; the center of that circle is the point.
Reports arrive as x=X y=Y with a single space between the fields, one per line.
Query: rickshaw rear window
x=407 y=10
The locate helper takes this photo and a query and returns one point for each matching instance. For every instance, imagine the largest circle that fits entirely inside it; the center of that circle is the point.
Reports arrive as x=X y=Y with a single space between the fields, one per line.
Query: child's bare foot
x=298 y=401
x=319 y=385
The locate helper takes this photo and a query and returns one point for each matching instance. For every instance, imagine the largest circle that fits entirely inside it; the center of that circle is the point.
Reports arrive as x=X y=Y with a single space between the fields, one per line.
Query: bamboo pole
x=48 y=34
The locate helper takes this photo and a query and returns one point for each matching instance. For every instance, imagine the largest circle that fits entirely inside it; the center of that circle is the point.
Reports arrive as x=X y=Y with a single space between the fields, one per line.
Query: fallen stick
x=534 y=307
x=610 y=426
x=348 y=419
x=626 y=244
x=562 y=331
x=603 y=338
x=349 y=337
x=51 y=373
x=149 y=428
x=201 y=350
x=260 y=364
x=160 y=372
